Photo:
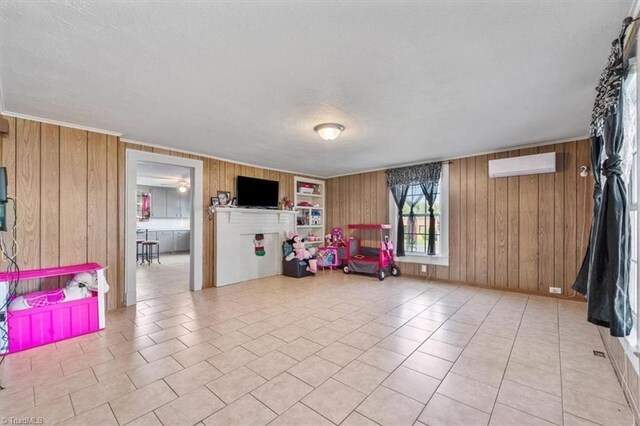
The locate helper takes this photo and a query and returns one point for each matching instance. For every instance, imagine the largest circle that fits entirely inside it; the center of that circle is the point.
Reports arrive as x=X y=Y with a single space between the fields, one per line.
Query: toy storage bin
x=33 y=327
x=36 y=326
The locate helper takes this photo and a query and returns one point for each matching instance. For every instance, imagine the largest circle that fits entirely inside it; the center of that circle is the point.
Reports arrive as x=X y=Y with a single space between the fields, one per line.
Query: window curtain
x=411 y=223
x=399 y=193
x=604 y=275
x=399 y=180
x=430 y=191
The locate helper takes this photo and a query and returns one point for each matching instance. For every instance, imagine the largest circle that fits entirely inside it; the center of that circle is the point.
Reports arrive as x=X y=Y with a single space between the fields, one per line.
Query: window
x=633 y=216
x=416 y=234
x=416 y=237
x=630 y=156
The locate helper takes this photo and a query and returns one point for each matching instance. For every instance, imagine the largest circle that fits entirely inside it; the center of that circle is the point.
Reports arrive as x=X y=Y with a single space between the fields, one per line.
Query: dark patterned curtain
x=604 y=275
x=399 y=180
x=430 y=191
x=411 y=222
x=399 y=193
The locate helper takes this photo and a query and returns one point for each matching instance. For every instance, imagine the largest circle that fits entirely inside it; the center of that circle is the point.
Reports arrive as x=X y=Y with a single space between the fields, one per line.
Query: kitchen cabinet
x=185 y=205
x=166 y=241
x=168 y=203
x=181 y=240
x=158 y=202
x=170 y=241
x=173 y=205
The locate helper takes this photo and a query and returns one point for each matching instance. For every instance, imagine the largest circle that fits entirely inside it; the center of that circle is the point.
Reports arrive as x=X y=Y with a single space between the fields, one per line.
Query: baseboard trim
x=576 y=297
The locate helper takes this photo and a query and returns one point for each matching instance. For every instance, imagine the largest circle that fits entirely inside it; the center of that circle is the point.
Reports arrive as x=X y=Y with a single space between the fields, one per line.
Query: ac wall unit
x=525 y=165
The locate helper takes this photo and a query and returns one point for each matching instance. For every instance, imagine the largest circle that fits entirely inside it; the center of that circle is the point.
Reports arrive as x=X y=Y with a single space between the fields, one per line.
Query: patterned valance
x=609 y=85
x=411 y=175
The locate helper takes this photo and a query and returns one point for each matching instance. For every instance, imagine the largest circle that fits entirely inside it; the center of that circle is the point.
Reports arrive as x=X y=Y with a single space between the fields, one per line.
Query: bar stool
x=139 y=251
x=147 y=251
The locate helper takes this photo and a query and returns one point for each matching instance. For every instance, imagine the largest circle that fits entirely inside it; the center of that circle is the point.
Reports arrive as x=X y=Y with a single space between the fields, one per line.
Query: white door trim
x=195 y=268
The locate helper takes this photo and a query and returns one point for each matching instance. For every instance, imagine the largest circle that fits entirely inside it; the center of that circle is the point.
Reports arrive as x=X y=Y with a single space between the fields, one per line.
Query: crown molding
x=59 y=123
x=227 y=160
x=431 y=160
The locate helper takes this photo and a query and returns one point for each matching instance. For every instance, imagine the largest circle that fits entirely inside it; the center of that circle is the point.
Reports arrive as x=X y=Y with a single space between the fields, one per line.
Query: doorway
x=163 y=226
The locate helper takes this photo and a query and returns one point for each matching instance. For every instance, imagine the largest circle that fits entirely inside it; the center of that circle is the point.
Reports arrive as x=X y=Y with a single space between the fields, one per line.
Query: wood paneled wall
x=70 y=184
x=65 y=181
x=523 y=233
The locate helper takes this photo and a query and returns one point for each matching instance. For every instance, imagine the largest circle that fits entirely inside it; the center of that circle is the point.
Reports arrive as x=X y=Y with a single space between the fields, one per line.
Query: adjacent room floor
x=163 y=279
x=331 y=349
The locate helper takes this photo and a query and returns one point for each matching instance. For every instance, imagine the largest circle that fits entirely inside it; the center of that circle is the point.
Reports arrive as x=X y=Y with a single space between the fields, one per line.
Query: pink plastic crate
x=39 y=326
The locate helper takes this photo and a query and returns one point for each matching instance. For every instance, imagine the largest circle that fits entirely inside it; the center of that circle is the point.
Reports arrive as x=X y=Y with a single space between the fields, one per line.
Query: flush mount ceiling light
x=329 y=131
x=182 y=187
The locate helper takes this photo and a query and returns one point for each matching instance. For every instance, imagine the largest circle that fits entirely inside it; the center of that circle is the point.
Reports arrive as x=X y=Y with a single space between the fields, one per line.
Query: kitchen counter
x=174 y=239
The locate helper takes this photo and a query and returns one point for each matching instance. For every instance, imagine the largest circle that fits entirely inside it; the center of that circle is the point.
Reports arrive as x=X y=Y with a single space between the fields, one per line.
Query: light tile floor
x=163 y=279
x=333 y=349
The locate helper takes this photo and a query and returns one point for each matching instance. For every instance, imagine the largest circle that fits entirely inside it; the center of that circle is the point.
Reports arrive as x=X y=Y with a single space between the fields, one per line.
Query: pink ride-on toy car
x=371 y=260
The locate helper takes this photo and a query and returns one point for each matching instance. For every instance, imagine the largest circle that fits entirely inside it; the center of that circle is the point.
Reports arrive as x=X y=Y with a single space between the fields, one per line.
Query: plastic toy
x=79 y=287
x=337 y=237
x=371 y=260
x=328 y=257
x=316 y=217
x=55 y=317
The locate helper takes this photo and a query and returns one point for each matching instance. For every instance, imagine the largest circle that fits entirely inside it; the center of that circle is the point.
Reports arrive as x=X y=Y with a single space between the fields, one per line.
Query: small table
x=328 y=257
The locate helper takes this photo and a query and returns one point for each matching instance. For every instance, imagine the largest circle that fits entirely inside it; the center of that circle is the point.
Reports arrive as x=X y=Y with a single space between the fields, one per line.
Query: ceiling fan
x=183 y=186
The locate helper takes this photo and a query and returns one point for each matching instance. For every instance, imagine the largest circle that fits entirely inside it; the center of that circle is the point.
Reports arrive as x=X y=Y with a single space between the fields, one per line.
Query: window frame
x=633 y=207
x=442 y=258
x=631 y=342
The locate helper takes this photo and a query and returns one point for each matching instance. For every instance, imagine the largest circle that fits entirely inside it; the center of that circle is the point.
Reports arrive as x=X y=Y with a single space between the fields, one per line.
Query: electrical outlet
x=423 y=268
x=555 y=290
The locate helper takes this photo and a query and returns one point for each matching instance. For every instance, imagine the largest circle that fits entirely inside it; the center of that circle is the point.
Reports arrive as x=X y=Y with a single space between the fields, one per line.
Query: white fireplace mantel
x=235 y=230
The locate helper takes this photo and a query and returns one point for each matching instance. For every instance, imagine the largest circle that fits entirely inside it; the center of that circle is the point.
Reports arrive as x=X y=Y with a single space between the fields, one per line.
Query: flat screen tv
x=253 y=192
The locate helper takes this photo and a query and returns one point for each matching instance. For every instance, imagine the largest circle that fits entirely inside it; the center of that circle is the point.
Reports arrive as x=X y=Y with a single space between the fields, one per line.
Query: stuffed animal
x=78 y=287
x=313 y=266
x=299 y=250
x=290 y=241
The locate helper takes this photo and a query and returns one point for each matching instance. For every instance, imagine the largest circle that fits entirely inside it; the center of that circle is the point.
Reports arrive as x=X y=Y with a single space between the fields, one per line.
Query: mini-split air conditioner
x=525 y=165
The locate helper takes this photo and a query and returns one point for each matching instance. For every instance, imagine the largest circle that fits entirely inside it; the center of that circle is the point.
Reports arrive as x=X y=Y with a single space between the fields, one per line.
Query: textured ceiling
x=247 y=81
x=157 y=174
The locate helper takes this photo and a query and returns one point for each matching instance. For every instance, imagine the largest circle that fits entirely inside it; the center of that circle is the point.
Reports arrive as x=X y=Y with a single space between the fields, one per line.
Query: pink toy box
x=38 y=326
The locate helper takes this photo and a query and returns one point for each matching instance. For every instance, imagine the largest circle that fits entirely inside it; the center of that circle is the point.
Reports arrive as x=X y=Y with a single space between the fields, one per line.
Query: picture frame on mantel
x=224 y=198
x=215 y=201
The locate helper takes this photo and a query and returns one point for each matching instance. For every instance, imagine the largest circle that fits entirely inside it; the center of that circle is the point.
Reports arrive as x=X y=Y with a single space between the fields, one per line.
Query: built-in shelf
x=307 y=215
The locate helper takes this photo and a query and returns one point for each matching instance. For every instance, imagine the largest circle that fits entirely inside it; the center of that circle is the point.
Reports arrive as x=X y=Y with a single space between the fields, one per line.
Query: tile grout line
x=371 y=303
x=366 y=396
x=453 y=363
x=560 y=363
x=510 y=352
x=532 y=388
x=416 y=350
x=386 y=313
